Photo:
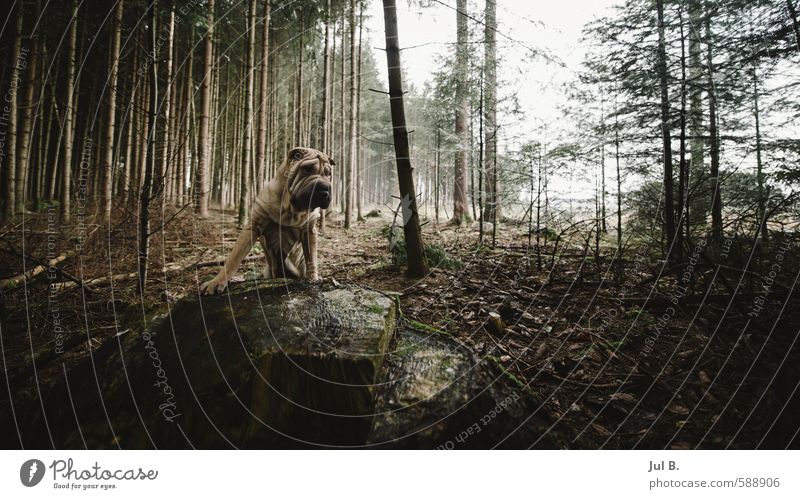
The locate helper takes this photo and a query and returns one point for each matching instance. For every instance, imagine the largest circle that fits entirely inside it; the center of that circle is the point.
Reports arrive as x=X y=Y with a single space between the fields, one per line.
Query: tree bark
x=327 y=77
x=297 y=113
x=261 y=148
x=682 y=168
x=359 y=164
x=11 y=133
x=165 y=170
x=69 y=126
x=203 y=163
x=350 y=165
x=762 y=198
x=145 y=192
x=248 y=113
x=28 y=120
x=492 y=205
x=342 y=128
x=415 y=251
x=27 y=124
x=716 y=195
x=108 y=146
x=669 y=201
x=696 y=109
x=460 y=207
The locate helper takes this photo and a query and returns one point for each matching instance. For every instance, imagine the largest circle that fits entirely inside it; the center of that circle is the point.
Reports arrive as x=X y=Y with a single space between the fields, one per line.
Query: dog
x=284 y=220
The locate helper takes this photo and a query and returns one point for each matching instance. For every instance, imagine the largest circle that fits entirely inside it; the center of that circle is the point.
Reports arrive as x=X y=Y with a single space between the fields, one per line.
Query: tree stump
x=279 y=364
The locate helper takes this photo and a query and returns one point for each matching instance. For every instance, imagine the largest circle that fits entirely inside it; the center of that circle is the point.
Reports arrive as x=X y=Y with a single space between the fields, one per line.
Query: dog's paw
x=214 y=286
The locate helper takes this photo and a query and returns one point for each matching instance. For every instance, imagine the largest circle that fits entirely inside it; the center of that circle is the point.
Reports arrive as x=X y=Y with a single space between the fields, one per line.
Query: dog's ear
x=331 y=161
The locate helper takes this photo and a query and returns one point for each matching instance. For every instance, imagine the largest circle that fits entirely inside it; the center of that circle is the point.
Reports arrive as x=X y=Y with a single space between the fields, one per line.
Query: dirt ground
x=622 y=352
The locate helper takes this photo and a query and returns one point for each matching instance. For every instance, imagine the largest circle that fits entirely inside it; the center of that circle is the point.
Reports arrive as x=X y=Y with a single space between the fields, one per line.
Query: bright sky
x=553 y=26
x=542 y=24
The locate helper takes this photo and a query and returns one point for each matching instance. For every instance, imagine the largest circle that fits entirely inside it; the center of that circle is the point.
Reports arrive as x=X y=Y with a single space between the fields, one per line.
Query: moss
x=427 y=328
x=508 y=374
x=436 y=255
x=640 y=315
x=375 y=308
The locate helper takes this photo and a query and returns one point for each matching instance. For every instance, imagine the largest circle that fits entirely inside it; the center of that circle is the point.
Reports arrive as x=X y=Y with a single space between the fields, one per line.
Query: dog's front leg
x=240 y=250
x=308 y=239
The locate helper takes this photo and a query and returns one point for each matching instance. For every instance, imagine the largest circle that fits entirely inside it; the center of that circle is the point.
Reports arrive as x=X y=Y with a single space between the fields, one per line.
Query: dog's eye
x=297 y=155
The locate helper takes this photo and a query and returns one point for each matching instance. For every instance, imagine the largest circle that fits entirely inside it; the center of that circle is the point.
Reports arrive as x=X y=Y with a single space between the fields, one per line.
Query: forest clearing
x=606 y=237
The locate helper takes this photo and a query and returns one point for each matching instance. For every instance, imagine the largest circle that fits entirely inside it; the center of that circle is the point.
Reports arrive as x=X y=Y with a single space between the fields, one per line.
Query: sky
x=428 y=28
x=555 y=26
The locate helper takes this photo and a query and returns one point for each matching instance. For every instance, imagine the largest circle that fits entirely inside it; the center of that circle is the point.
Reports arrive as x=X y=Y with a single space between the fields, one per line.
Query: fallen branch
x=16 y=281
x=167 y=269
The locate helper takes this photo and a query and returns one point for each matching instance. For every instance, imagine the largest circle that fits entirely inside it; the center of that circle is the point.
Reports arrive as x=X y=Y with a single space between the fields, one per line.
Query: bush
x=436 y=255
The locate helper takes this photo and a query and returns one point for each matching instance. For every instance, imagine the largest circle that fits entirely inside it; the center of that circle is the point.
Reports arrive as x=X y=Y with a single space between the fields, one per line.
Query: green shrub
x=436 y=255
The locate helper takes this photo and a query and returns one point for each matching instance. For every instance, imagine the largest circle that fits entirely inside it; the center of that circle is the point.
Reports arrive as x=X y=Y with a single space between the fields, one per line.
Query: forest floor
x=622 y=352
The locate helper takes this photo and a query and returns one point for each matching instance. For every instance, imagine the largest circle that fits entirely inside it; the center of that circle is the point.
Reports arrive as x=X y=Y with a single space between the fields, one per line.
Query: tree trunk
x=603 y=227
x=342 y=127
x=696 y=110
x=326 y=82
x=682 y=167
x=460 y=207
x=166 y=153
x=716 y=195
x=190 y=132
x=436 y=174
x=108 y=146
x=350 y=165
x=619 y=187
x=69 y=126
x=481 y=169
x=11 y=133
x=415 y=251
x=124 y=179
x=359 y=164
x=203 y=163
x=248 y=113
x=492 y=205
x=762 y=198
x=669 y=201
x=261 y=149
x=297 y=113
x=145 y=192
x=27 y=124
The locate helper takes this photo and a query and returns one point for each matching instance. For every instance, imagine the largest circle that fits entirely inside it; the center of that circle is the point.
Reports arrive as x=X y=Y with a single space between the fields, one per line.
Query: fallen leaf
x=622 y=396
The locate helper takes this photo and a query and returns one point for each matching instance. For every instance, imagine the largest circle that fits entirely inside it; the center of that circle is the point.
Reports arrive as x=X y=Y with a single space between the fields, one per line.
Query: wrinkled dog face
x=309 y=181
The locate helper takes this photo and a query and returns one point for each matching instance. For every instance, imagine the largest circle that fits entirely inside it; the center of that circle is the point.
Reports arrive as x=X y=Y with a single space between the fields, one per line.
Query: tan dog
x=284 y=220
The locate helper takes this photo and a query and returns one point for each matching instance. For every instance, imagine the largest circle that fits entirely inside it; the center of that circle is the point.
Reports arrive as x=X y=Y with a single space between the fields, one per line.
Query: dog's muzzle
x=316 y=195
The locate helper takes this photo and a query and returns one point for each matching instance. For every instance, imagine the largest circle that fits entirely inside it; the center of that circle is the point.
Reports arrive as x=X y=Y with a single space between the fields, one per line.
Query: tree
x=69 y=127
x=492 y=205
x=351 y=162
x=248 y=114
x=204 y=160
x=460 y=206
x=415 y=249
x=108 y=146
x=11 y=98
x=669 y=200
x=261 y=148
x=716 y=192
x=145 y=193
